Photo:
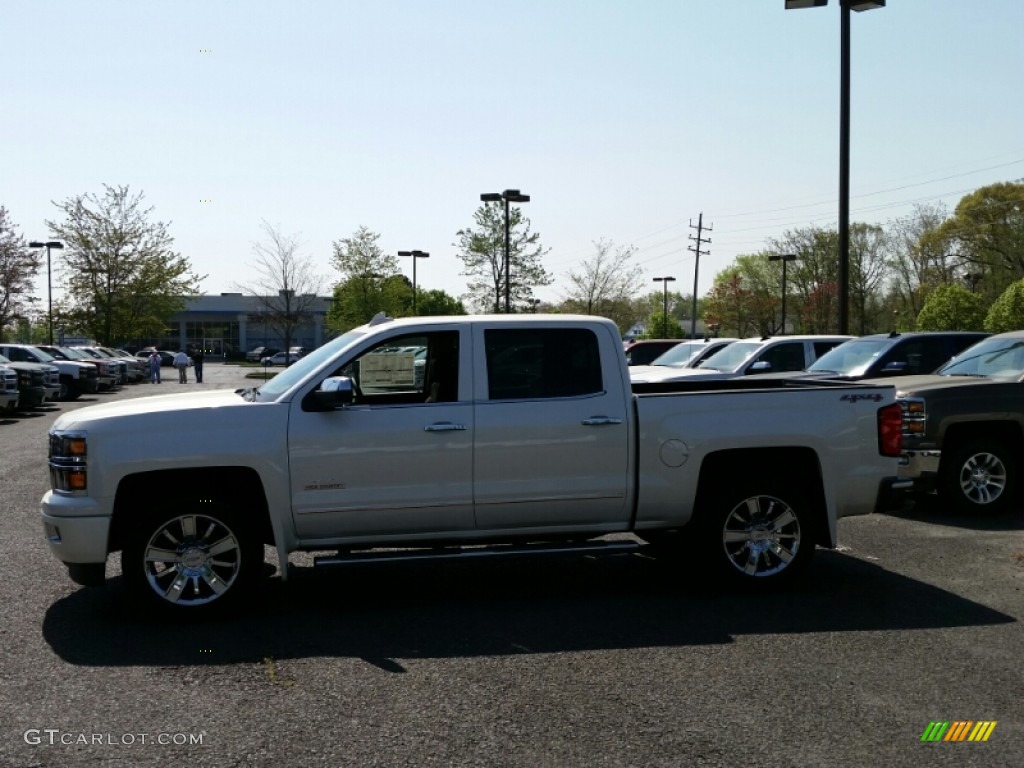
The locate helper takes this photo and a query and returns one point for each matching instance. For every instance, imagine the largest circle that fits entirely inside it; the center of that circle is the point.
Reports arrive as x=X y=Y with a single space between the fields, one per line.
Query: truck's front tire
x=187 y=562
x=68 y=389
x=979 y=477
x=757 y=535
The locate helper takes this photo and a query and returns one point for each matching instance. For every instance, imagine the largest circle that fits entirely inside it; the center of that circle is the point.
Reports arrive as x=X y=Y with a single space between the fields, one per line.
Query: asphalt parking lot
x=616 y=662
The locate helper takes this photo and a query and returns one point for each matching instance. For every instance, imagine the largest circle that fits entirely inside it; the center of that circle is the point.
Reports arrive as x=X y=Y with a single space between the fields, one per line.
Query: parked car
x=75 y=377
x=107 y=371
x=643 y=351
x=8 y=389
x=685 y=354
x=746 y=357
x=257 y=354
x=37 y=382
x=280 y=358
x=120 y=366
x=963 y=427
x=892 y=354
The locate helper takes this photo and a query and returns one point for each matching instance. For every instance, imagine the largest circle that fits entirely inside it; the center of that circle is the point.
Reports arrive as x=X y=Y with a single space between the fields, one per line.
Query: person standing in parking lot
x=181 y=363
x=154 y=367
x=197 y=363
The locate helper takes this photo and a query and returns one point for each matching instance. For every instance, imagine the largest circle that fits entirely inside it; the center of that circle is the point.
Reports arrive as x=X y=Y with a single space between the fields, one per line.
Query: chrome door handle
x=600 y=421
x=444 y=426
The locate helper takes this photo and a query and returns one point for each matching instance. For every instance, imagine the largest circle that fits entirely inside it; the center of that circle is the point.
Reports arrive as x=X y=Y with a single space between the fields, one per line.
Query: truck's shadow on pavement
x=385 y=614
x=931 y=509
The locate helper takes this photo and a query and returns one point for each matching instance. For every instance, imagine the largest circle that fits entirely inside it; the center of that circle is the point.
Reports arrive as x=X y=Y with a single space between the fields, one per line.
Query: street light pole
x=509 y=196
x=844 y=141
x=664 y=304
x=415 y=255
x=49 y=281
x=783 y=257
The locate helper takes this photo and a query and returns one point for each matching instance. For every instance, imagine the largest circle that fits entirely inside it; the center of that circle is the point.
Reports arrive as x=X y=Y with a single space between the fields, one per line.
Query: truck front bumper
x=75 y=530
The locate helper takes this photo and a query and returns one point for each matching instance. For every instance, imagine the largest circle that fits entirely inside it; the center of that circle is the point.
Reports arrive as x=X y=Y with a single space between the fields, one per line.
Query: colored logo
x=959 y=730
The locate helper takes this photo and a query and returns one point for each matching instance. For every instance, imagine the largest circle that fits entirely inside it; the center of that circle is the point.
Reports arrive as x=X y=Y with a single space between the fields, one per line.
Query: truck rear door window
x=542 y=363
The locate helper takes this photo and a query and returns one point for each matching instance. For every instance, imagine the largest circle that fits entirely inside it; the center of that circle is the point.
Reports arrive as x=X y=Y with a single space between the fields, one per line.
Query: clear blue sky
x=623 y=120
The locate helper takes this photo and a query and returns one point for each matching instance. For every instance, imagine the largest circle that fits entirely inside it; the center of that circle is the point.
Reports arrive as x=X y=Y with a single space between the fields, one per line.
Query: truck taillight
x=890 y=430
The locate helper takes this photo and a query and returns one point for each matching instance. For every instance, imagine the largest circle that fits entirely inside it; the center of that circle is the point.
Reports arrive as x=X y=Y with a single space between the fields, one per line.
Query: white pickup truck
x=521 y=435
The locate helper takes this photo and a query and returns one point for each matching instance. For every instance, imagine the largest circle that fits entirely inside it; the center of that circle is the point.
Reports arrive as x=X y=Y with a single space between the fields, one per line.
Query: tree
x=606 y=285
x=482 y=251
x=1007 y=312
x=18 y=265
x=869 y=245
x=918 y=260
x=371 y=282
x=285 y=286
x=437 y=302
x=732 y=307
x=360 y=297
x=658 y=327
x=952 y=308
x=987 y=230
x=361 y=256
x=124 y=280
x=813 y=277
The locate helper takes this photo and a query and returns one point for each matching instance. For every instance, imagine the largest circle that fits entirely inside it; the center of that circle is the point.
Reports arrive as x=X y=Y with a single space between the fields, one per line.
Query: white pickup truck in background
x=517 y=435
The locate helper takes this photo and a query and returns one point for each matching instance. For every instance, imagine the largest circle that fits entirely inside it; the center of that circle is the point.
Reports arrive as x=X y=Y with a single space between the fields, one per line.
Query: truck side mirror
x=333 y=392
x=761 y=366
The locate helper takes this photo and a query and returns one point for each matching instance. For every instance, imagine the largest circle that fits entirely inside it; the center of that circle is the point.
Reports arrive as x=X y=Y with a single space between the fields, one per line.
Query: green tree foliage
x=123 y=279
x=606 y=284
x=733 y=307
x=18 y=265
x=361 y=256
x=952 y=308
x=658 y=327
x=357 y=299
x=286 y=286
x=437 y=302
x=1007 y=312
x=987 y=230
x=482 y=251
x=812 y=278
x=371 y=282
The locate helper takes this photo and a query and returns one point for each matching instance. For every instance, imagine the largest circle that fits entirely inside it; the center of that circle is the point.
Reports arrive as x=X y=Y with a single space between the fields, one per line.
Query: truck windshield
x=732 y=357
x=851 y=358
x=680 y=354
x=995 y=358
x=290 y=376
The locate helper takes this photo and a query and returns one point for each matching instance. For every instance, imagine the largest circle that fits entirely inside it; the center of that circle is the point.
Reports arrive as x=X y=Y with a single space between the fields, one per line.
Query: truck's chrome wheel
x=192 y=559
x=761 y=536
x=983 y=478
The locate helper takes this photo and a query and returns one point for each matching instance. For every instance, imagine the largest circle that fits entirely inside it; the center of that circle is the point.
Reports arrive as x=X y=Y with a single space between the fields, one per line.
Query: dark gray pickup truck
x=963 y=426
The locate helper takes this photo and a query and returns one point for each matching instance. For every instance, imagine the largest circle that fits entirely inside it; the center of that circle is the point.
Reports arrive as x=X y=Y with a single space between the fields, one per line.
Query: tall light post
x=664 y=304
x=844 y=141
x=509 y=196
x=783 y=257
x=49 y=280
x=415 y=255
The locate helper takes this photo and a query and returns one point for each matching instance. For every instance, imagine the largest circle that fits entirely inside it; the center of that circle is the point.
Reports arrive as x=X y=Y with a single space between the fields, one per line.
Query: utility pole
x=697 y=252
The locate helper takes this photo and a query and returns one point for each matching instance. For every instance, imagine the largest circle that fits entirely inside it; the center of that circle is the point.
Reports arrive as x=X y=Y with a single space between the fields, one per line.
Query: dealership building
x=233 y=323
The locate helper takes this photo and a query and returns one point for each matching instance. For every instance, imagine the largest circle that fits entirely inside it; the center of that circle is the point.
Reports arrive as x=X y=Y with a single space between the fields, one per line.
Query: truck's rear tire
x=757 y=535
x=192 y=558
x=979 y=477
